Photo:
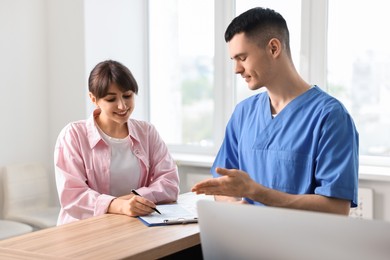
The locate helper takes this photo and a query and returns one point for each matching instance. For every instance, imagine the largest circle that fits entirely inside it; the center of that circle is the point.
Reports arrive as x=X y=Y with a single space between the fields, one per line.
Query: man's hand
x=232 y=183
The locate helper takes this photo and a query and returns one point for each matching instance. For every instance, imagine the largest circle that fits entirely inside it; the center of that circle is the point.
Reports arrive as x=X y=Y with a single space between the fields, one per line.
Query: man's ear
x=275 y=47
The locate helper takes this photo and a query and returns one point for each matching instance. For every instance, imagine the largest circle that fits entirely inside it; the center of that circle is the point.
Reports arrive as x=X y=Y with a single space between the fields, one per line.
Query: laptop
x=239 y=231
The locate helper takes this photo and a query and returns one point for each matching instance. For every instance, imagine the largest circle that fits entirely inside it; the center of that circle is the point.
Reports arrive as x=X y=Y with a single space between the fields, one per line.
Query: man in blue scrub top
x=291 y=146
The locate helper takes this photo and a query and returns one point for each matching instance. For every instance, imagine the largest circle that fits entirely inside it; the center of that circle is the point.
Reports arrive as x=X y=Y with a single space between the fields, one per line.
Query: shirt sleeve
x=337 y=157
x=162 y=183
x=77 y=199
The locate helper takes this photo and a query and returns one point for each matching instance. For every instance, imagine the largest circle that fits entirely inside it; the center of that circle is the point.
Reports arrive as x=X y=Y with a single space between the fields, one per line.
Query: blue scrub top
x=310 y=147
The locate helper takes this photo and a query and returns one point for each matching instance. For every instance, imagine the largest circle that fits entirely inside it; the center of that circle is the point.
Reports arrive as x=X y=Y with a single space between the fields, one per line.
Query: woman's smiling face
x=116 y=106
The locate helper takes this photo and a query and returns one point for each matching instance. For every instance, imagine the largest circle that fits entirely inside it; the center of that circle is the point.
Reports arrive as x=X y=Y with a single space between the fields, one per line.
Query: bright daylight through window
x=359 y=68
x=181 y=70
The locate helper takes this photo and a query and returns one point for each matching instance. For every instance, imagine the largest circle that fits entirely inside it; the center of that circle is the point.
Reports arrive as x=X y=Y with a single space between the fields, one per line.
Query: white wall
x=24 y=107
x=66 y=66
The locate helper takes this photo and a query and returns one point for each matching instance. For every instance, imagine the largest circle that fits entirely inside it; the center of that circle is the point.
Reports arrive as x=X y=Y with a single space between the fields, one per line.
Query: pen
x=136 y=193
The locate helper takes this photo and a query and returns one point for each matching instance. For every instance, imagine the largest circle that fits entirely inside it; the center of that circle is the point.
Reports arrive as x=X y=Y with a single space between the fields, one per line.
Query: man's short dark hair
x=260 y=25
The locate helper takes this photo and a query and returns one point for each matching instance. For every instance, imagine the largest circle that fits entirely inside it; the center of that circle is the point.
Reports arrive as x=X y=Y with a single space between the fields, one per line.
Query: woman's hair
x=109 y=72
x=260 y=25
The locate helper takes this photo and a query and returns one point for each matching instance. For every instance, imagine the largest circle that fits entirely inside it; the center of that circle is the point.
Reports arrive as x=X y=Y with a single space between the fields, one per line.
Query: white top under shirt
x=124 y=167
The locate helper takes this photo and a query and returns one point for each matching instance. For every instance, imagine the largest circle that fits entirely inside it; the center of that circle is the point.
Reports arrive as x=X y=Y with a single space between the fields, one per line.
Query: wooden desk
x=6 y=253
x=106 y=237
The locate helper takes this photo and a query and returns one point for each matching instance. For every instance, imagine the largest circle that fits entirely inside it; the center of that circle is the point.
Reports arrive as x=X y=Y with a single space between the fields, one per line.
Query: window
x=182 y=71
x=358 y=68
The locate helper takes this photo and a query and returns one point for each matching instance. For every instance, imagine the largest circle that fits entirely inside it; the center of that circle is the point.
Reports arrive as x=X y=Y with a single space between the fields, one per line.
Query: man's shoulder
x=327 y=102
x=253 y=100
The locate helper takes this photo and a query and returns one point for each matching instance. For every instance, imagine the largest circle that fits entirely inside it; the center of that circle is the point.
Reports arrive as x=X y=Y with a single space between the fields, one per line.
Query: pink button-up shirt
x=82 y=163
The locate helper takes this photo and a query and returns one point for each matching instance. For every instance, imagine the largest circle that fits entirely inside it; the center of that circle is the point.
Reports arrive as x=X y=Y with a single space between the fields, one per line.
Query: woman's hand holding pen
x=131 y=205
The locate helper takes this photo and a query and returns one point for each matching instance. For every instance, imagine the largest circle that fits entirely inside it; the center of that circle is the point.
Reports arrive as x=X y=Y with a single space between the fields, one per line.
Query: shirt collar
x=94 y=136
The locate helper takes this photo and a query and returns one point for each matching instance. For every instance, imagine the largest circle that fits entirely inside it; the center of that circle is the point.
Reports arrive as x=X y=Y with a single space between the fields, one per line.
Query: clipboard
x=171 y=214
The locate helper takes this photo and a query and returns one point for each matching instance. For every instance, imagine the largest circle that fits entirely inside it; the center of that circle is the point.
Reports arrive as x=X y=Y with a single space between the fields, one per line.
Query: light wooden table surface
x=105 y=237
